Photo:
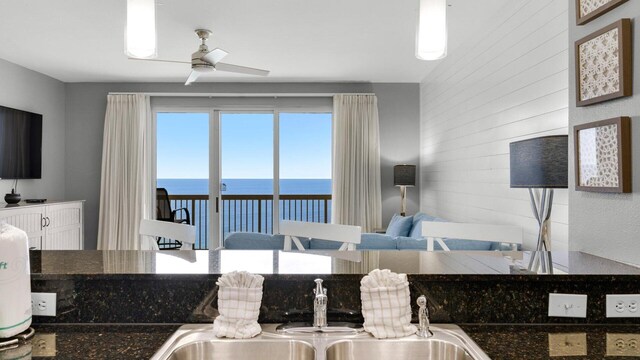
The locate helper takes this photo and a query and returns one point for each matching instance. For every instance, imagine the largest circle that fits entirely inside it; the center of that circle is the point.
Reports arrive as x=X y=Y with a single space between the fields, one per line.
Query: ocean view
x=247 y=186
x=251 y=214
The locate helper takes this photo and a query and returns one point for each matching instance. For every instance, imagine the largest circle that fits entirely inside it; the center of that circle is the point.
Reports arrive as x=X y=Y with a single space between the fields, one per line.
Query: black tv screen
x=20 y=144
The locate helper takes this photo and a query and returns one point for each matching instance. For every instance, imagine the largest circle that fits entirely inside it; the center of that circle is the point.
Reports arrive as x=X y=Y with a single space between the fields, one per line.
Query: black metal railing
x=251 y=213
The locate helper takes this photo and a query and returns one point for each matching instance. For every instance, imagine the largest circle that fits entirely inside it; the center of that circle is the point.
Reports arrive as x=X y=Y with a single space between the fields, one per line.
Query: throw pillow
x=399 y=225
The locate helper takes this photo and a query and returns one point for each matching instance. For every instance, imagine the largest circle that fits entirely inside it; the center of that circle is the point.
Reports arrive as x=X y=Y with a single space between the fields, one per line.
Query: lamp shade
x=540 y=162
x=404 y=175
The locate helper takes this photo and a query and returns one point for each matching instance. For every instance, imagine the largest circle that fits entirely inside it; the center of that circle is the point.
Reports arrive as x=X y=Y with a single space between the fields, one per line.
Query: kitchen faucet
x=320 y=305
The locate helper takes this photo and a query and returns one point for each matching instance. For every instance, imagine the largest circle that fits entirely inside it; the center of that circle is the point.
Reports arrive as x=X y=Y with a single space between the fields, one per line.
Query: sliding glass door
x=246 y=172
x=182 y=169
x=305 y=166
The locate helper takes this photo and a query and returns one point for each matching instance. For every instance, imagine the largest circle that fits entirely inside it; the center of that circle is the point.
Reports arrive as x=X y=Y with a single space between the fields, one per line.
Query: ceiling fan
x=204 y=61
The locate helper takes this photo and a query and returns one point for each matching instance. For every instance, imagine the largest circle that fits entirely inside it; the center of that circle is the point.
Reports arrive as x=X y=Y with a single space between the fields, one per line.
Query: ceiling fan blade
x=241 y=69
x=192 y=77
x=160 y=60
x=214 y=56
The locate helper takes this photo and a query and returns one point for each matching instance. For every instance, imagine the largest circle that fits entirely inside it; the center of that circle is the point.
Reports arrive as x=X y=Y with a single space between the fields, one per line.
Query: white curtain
x=126 y=192
x=356 y=162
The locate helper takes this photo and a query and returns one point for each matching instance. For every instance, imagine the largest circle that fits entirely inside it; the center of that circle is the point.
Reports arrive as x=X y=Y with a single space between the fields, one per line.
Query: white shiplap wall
x=510 y=82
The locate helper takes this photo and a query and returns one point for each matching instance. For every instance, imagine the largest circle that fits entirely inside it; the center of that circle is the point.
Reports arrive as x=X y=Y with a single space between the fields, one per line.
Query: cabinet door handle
x=48 y=221
x=43 y=222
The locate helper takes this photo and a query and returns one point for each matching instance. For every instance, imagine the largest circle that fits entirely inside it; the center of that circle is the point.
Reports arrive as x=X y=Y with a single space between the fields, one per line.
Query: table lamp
x=403 y=176
x=540 y=163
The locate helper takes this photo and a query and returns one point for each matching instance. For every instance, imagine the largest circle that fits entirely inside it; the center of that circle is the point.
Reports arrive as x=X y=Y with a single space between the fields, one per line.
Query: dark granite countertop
x=500 y=342
x=88 y=341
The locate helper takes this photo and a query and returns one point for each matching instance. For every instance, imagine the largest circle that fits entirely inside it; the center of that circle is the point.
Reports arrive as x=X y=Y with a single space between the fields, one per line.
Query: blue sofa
x=258 y=241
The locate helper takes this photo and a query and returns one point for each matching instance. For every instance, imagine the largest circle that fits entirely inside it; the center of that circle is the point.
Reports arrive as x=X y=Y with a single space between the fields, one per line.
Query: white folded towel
x=386 y=304
x=239 y=300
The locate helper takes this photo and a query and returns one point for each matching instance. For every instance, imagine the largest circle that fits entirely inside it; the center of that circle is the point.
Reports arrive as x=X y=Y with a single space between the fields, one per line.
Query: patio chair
x=164 y=212
x=182 y=233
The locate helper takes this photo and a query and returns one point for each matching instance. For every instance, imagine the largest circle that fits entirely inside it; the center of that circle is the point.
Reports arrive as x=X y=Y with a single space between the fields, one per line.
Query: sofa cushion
x=377 y=242
x=258 y=241
x=469 y=245
x=407 y=243
x=416 y=228
x=367 y=242
x=399 y=225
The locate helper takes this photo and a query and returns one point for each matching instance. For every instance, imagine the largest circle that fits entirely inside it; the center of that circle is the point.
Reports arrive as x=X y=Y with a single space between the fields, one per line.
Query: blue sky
x=247 y=146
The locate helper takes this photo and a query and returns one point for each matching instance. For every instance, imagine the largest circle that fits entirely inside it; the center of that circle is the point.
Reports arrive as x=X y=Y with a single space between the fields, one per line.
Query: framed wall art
x=603 y=155
x=604 y=64
x=587 y=10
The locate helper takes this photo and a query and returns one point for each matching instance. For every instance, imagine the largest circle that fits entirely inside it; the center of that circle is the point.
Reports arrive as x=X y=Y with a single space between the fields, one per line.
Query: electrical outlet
x=621 y=305
x=623 y=345
x=43 y=304
x=568 y=305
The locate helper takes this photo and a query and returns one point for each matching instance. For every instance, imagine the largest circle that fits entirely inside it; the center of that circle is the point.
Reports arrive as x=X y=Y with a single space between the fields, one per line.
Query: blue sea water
x=247 y=186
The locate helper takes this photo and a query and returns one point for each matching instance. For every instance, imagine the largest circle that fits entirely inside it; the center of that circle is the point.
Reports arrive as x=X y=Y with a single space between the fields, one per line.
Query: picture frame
x=603 y=156
x=587 y=10
x=603 y=66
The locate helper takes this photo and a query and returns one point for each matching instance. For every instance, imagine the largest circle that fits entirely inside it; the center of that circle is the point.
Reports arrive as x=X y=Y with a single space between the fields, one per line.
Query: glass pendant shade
x=431 y=37
x=140 y=33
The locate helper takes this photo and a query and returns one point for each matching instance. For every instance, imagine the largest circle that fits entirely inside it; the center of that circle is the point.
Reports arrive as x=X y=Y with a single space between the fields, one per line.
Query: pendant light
x=431 y=37
x=140 y=33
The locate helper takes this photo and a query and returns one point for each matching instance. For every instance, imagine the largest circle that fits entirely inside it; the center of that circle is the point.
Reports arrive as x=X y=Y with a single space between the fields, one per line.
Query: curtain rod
x=238 y=94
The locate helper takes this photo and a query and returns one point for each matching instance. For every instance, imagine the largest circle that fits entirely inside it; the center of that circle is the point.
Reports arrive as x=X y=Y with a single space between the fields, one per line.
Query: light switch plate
x=568 y=305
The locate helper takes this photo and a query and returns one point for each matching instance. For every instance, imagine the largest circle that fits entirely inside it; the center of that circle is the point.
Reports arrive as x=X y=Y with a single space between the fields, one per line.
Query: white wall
x=23 y=89
x=607 y=225
x=510 y=82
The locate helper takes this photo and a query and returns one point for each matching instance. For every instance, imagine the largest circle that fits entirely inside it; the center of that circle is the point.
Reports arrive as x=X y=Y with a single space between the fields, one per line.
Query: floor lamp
x=540 y=165
x=403 y=176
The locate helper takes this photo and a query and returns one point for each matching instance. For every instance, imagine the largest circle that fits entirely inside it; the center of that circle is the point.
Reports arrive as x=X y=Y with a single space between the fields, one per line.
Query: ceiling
x=298 y=40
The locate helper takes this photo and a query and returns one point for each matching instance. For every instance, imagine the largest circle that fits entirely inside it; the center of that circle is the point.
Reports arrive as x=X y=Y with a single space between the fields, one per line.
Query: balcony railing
x=251 y=213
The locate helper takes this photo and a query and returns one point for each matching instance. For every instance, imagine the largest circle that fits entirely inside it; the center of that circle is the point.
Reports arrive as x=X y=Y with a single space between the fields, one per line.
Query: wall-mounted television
x=20 y=144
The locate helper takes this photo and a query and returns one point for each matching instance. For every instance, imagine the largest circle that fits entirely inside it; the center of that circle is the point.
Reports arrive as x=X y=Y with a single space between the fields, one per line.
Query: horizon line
x=244 y=179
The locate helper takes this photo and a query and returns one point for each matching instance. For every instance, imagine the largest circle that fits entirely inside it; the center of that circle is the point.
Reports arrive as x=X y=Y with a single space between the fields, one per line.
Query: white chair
x=437 y=231
x=348 y=235
x=186 y=234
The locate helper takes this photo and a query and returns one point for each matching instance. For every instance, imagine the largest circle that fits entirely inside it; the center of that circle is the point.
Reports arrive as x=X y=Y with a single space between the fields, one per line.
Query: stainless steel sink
x=199 y=342
x=397 y=349
x=241 y=350
x=449 y=342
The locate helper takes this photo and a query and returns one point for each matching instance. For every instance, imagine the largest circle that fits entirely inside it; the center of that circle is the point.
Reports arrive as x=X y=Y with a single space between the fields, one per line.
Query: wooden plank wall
x=508 y=82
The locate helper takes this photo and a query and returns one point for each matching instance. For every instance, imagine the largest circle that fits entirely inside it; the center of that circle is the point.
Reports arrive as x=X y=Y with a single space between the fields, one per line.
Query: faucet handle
x=423 y=318
x=319 y=290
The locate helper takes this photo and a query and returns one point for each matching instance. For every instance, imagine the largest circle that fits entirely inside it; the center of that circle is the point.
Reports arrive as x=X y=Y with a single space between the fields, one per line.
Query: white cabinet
x=30 y=219
x=51 y=226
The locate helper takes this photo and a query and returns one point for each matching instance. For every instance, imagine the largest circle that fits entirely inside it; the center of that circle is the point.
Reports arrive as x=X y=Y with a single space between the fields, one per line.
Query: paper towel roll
x=15 y=281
